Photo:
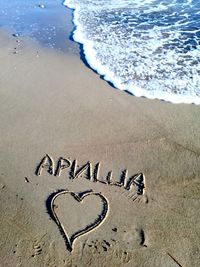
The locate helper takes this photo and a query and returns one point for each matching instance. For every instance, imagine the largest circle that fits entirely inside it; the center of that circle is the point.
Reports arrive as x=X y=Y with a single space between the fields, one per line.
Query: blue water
x=150 y=48
x=48 y=25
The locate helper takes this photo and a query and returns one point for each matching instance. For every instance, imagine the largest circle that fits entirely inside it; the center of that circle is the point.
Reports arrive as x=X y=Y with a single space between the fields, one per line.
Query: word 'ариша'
x=92 y=174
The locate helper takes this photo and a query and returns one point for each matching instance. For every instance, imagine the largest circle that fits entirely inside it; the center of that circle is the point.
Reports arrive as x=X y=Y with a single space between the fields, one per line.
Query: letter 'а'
x=46 y=163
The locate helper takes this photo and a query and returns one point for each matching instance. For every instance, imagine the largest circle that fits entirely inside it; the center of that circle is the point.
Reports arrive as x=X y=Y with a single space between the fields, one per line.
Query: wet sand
x=91 y=176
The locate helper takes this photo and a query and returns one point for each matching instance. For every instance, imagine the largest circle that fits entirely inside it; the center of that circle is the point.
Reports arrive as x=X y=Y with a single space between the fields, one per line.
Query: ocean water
x=150 y=48
x=49 y=25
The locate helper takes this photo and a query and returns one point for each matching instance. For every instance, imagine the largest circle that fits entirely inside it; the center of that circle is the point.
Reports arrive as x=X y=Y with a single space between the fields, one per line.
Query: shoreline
x=51 y=103
x=90 y=59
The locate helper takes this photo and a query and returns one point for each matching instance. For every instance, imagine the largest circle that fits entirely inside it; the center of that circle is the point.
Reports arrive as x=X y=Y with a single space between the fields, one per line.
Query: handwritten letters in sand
x=68 y=199
x=91 y=173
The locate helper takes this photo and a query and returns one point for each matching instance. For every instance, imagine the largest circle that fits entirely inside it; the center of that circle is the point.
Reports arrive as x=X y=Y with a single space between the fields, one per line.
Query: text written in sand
x=91 y=172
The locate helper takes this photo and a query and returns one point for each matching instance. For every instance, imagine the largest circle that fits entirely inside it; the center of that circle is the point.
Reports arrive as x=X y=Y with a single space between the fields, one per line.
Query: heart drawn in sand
x=76 y=200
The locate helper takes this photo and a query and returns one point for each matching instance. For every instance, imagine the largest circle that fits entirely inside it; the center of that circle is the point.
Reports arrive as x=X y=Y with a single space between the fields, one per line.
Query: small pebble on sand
x=41 y=5
x=2 y=186
x=15 y=35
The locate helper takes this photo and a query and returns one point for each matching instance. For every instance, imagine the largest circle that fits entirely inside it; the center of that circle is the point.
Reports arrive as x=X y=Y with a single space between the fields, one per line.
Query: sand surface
x=89 y=175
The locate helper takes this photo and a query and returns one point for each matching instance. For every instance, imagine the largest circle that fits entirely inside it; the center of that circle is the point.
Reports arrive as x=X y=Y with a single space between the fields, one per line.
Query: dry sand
x=52 y=104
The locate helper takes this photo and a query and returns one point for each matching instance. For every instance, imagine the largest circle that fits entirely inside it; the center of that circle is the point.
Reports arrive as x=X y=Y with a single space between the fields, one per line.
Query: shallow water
x=49 y=25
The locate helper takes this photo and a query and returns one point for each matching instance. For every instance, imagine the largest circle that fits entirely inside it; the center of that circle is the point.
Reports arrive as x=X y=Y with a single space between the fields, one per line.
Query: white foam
x=136 y=65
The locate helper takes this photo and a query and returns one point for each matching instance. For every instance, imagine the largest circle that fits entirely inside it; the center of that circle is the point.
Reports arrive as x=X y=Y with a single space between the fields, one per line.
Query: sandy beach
x=91 y=175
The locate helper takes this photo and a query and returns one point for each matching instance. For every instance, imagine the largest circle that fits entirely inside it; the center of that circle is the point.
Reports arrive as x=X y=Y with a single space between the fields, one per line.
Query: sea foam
x=150 y=48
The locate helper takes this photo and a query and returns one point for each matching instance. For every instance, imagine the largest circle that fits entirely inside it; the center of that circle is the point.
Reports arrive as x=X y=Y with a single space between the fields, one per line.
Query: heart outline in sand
x=69 y=240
